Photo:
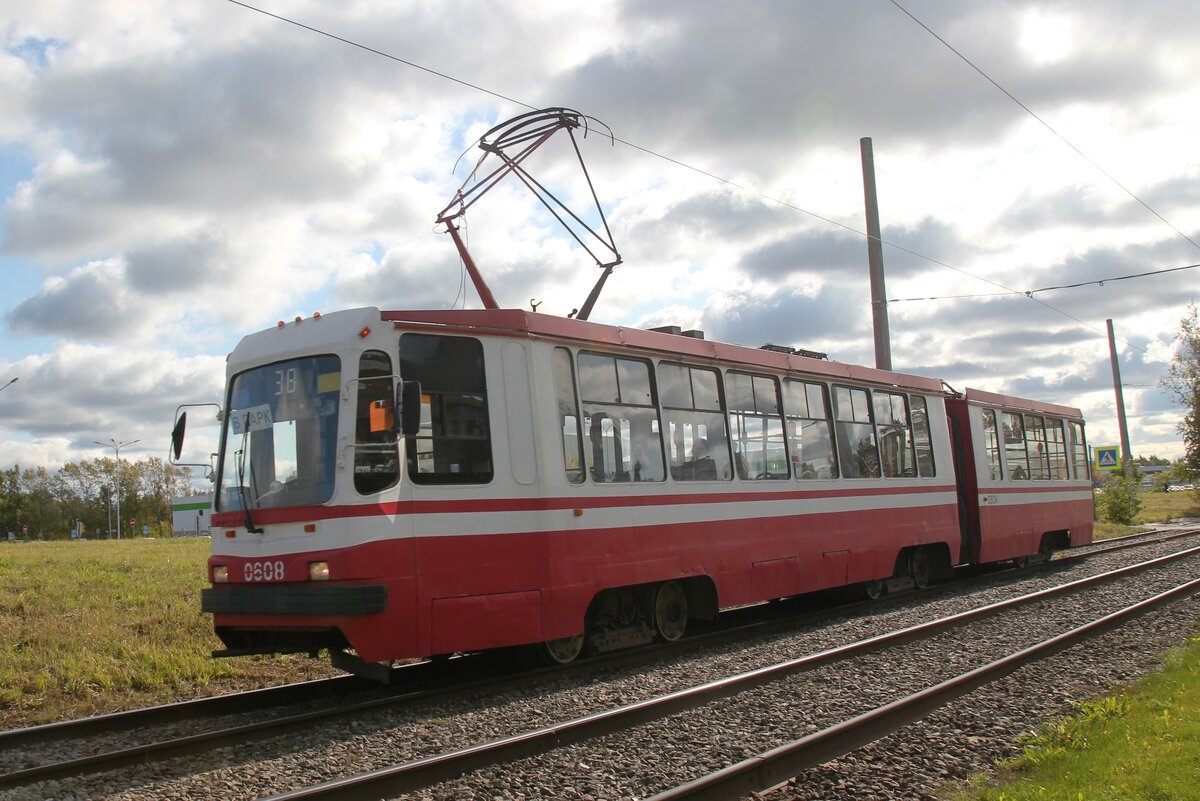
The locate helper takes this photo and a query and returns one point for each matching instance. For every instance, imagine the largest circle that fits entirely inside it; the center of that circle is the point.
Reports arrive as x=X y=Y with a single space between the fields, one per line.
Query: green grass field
x=92 y=627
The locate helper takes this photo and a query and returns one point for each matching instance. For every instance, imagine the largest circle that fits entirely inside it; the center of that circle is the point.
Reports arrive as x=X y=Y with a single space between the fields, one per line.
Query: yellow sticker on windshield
x=328 y=382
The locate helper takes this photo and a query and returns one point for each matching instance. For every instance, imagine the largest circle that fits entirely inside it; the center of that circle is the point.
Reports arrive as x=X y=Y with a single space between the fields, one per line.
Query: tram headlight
x=220 y=574
x=318 y=571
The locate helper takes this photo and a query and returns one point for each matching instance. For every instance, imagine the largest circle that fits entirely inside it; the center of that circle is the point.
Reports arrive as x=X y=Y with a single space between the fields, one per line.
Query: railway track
x=776 y=766
x=768 y=769
x=308 y=703
x=444 y=765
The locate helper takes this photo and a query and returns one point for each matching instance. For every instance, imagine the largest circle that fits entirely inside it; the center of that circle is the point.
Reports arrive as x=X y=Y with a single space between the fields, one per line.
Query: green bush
x=1119 y=501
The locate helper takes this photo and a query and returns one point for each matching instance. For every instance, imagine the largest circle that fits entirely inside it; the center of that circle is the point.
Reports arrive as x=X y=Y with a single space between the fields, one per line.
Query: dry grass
x=92 y=627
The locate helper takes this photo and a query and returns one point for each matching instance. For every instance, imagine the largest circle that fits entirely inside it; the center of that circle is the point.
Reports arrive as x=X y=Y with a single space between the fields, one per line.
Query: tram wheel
x=873 y=589
x=1021 y=562
x=670 y=611
x=921 y=568
x=562 y=651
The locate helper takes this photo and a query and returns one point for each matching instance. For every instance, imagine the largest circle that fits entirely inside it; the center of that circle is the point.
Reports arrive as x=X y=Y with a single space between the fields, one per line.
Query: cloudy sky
x=176 y=175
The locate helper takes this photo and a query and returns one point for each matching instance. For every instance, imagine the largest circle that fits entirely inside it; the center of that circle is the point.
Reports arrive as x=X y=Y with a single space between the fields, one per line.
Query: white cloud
x=201 y=171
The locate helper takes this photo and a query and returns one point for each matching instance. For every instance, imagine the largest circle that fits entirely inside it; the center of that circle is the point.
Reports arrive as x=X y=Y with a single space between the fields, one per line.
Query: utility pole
x=879 y=314
x=1126 y=454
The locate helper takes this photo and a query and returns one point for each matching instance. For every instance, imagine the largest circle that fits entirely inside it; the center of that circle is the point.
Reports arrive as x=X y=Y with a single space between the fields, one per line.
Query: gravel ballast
x=959 y=739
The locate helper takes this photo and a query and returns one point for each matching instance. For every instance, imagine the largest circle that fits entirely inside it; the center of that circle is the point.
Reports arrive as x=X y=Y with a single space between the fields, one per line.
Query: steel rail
x=343 y=686
x=229 y=703
x=419 y=773
x=335 y=687
x=784 y=762
x=1121 y=543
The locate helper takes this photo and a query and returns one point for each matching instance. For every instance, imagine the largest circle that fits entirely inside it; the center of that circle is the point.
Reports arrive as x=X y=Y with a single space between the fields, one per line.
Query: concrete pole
x=1126 y=454
x=879 y=314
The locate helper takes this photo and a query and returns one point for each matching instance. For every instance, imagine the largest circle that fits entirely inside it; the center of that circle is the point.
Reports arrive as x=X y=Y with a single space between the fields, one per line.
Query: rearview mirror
x=177 y=435
x=408 y=401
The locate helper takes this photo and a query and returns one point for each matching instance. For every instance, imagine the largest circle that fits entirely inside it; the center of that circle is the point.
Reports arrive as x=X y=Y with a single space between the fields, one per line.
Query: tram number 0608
x=263 y=571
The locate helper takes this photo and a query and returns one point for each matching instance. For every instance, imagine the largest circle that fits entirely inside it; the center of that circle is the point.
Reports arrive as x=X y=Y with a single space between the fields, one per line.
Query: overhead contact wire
x=734 y=184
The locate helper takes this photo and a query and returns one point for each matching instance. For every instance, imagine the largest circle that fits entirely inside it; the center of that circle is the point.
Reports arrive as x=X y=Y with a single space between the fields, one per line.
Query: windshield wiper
x=240 y=460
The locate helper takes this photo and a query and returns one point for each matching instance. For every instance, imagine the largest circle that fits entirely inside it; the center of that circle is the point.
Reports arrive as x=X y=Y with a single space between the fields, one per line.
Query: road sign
x=1107 y=458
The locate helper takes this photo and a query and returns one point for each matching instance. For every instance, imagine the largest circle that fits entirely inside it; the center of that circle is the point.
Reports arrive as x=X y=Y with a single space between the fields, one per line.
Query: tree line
x=36 y=503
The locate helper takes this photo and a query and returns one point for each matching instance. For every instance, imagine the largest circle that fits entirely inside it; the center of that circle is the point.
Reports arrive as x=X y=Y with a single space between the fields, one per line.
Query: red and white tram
x=416 y=483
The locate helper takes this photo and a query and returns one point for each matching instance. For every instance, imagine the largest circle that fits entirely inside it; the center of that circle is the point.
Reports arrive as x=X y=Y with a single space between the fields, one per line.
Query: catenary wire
x=1030 y=292
x=1046 y=125
x=714 y=176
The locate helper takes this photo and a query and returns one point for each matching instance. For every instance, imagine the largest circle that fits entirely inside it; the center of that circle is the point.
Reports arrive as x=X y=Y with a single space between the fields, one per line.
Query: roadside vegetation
x=1154 y=507
x=100 y=626
x=1139 y=744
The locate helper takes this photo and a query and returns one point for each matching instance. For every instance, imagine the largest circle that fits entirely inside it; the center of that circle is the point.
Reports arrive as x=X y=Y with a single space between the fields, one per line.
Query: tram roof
x=524 y=324
x=981 y=397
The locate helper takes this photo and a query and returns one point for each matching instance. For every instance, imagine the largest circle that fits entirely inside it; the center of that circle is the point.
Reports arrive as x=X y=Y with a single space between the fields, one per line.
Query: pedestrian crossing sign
x=1107 y=458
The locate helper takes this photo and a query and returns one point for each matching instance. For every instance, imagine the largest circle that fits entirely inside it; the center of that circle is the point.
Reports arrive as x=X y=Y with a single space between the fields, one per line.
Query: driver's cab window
x=376 y=458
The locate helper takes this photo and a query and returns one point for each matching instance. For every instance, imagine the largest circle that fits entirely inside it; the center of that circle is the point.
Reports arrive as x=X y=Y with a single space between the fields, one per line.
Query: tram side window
x=991 y=444
x=454 y=444
x=758 y=447
x=1079 y=451
x=694 y=420
x=1014 y=447
x=1035 y=446
x=376 y=459
x=620 y=420
x=810 y=429
x=857 y=453
x=894 y=434
x=922 y=440
x=568 y=414
x=1056 y=448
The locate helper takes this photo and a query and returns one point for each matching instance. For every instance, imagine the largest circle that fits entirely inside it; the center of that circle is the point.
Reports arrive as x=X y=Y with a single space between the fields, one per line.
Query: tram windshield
x=280 y=435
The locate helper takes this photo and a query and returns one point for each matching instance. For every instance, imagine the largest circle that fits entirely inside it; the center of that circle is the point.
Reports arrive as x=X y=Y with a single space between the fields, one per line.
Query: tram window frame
x=809 y=424
x=922 y=435
x=1056 y=449
x=854 y=426
x=454 y=443
x=1079 y=452
x=567 y=396
x=756 y=419
x=893 y=427
x=693 y=411
x=1016 y=457
x=620 y=414
x=991 y=434
x=1035 y=446
x=376 y=454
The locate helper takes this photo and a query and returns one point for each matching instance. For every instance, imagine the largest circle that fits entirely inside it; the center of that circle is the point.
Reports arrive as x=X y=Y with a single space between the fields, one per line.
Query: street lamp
x=9 y=384
x=116 y=446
